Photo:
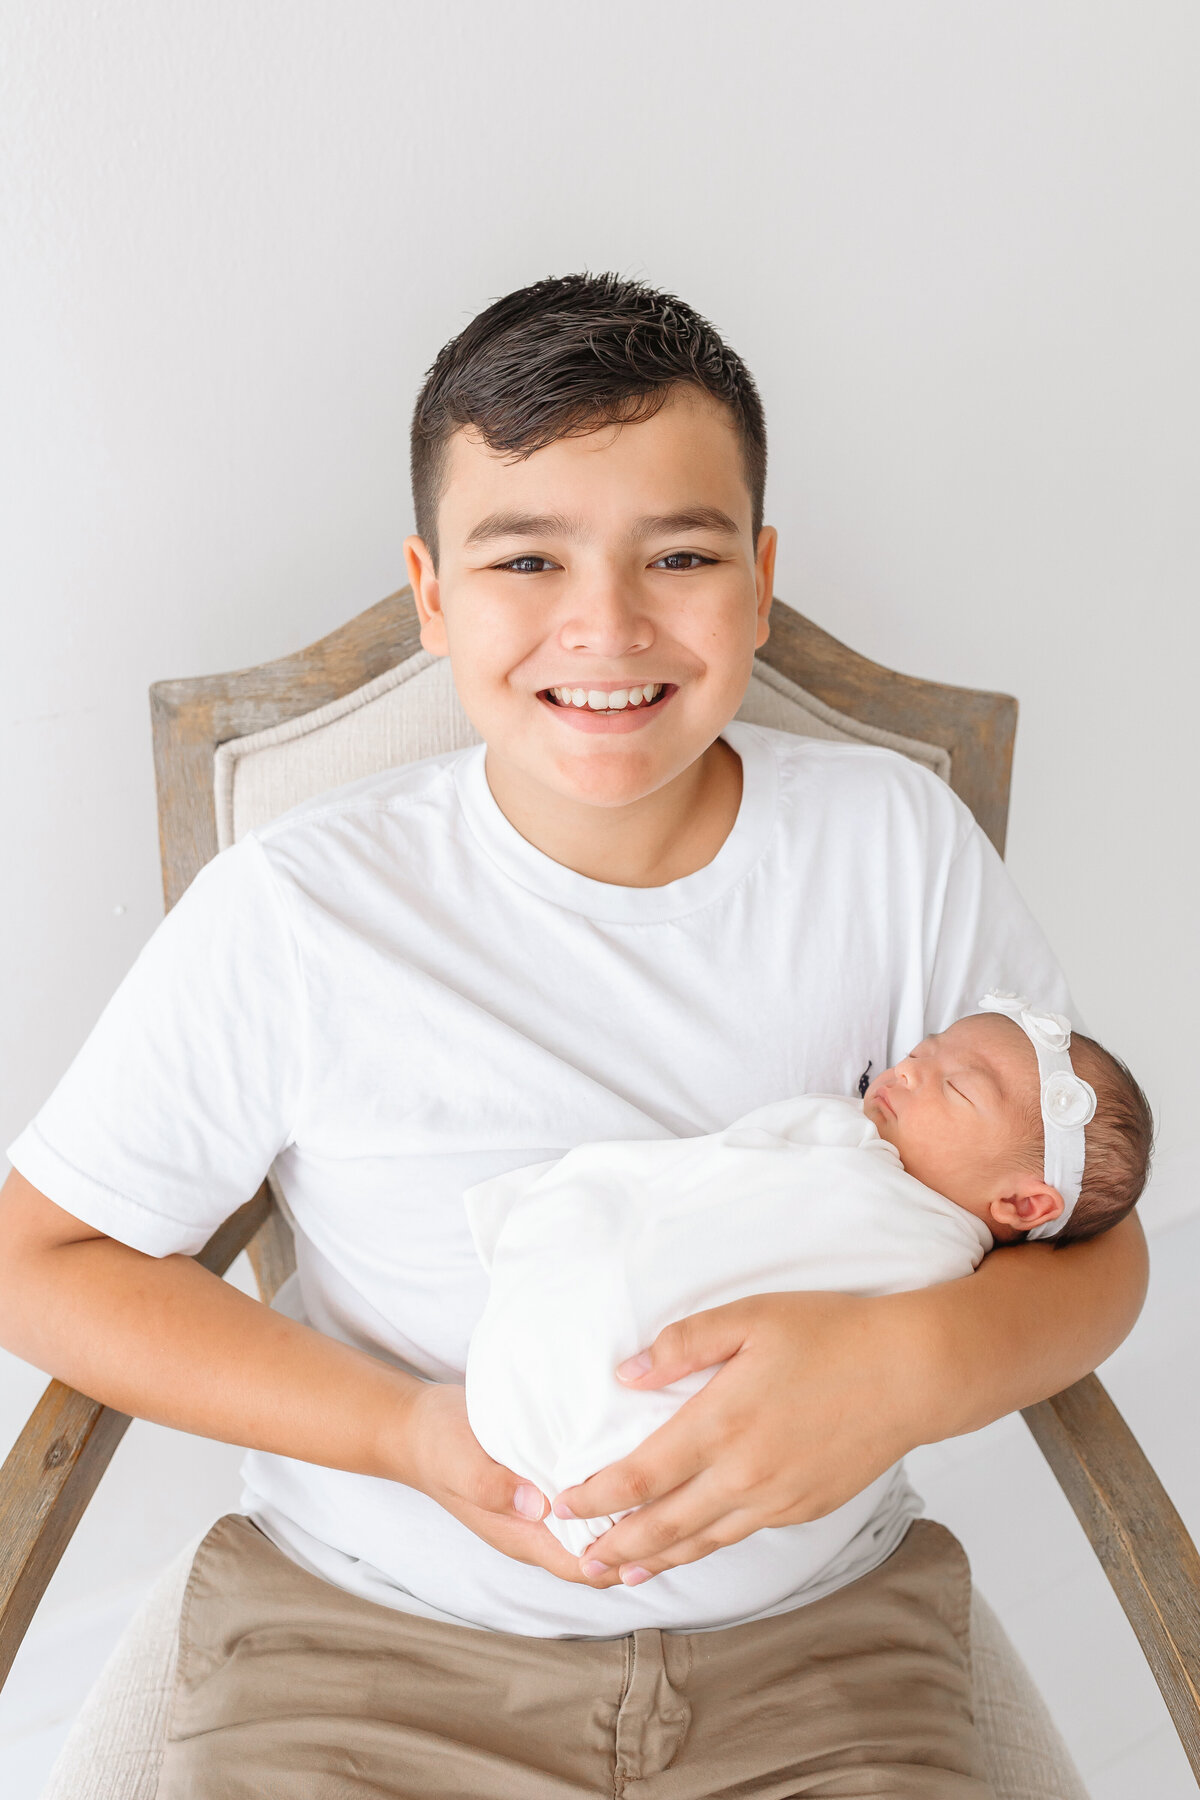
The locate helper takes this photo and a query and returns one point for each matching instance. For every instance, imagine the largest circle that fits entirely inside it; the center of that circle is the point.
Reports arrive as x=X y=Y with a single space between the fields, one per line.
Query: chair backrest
x=234 y=751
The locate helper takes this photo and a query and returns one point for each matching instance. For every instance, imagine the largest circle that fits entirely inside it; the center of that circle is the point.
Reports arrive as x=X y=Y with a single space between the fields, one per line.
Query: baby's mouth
x=610 y=700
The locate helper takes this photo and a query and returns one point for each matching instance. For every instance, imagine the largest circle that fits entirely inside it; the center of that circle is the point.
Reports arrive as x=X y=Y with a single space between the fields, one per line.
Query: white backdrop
x=956 y=240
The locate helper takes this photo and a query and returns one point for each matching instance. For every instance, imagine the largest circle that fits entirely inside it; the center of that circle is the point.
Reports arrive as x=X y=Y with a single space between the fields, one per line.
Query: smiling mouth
x=609 y=700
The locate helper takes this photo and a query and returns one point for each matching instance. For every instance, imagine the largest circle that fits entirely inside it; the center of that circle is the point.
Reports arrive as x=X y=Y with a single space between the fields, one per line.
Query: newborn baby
x=986 y=1133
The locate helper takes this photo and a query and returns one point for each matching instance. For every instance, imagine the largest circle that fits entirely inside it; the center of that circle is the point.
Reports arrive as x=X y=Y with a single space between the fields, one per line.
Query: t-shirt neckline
x=539 y=874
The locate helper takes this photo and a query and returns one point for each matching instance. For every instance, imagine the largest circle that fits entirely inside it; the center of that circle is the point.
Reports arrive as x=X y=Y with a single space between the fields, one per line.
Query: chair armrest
x=1141 y=1541
x=272 y=1250
x=53 y=1468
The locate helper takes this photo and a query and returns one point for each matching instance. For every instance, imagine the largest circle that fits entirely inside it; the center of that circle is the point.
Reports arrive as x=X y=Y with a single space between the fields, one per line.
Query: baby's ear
x=1030 y=1201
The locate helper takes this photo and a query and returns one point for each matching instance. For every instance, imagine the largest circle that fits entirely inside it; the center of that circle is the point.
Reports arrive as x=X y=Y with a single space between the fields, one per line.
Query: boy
x=609 y=923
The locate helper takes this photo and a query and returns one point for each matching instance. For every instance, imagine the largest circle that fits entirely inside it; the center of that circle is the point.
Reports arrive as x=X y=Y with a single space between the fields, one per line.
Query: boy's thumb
x=702 y=1341
x=497 y=1490
x=529 y=1502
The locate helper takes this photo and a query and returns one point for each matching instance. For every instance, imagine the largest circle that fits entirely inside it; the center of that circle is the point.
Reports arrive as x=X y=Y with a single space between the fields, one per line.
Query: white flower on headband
x=1049 y=1029
x=1003 y=1000
x=1067 y=1101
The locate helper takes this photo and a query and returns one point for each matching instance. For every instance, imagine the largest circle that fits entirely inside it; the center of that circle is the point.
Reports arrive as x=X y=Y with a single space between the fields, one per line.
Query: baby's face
x=958 y=1109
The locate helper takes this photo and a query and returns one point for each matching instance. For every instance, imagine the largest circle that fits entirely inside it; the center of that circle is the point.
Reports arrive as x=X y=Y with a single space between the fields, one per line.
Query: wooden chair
x=53 y=1469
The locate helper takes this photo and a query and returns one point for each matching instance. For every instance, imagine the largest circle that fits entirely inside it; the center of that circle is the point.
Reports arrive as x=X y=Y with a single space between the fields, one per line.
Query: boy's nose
x=608 y=623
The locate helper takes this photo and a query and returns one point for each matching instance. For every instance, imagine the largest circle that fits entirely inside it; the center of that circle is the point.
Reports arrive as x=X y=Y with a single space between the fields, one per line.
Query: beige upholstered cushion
x=413 y=711
x=115 y=1746
x=1026 y=1756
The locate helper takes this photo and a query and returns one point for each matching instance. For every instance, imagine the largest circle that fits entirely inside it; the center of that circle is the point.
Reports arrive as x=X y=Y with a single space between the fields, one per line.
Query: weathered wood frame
x=53 y=1469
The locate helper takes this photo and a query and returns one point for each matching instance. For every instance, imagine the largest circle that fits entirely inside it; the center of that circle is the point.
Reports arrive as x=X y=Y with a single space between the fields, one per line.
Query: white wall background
x=957 y=240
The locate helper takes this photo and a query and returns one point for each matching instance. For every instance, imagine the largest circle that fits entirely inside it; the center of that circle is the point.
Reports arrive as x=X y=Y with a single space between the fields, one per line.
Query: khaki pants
x=289 y=1687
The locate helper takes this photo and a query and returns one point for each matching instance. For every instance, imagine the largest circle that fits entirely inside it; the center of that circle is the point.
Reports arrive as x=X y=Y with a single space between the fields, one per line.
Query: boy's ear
x=764 y=580
x=1032 y=1201
x=427 y=593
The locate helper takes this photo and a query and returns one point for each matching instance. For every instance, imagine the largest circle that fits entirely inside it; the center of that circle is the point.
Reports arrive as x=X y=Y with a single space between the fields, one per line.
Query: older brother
x=610 y=922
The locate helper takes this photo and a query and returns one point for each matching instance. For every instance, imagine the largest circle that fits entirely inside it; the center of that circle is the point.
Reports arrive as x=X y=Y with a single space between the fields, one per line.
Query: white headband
x=1068 y=1102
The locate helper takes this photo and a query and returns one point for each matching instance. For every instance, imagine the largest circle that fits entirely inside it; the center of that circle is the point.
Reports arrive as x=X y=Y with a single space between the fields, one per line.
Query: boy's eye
x=527 y=565
x=682 y=561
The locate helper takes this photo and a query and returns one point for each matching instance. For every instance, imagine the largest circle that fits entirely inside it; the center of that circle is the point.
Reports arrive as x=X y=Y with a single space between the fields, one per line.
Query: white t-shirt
x=591 y=1256
x=391 y=995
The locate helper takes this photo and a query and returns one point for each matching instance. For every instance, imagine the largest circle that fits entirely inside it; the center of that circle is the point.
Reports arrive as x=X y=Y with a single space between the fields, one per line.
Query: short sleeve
x=988 y=938
x=188 y=1086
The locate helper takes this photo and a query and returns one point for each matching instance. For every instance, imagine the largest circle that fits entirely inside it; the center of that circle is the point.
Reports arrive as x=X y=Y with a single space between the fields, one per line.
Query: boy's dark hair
x=564 y=357
x=1119 y=1143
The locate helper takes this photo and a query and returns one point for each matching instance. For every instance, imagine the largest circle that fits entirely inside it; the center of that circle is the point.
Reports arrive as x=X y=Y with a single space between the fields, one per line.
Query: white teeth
x=599 y=700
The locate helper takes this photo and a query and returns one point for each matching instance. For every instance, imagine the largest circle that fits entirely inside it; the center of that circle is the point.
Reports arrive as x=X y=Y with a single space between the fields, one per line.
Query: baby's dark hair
x=564 y=356
x=1119 y=1143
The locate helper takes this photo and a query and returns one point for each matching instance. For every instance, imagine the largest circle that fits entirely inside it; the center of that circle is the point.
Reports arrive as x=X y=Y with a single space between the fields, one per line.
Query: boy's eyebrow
x=694 y=518
x=518 y=524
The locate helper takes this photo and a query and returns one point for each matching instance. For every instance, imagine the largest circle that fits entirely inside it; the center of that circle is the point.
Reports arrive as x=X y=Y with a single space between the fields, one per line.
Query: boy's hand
x=808 y=1409
x=447 y=1462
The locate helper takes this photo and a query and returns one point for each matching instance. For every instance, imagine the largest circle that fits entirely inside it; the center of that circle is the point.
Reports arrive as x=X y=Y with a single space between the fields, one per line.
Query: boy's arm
x=820 y=1393
x=163 y=1339
x=1032 y=1320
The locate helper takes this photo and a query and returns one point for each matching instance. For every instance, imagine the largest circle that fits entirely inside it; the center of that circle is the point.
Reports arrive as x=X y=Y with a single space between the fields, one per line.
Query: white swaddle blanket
x=591 y=1255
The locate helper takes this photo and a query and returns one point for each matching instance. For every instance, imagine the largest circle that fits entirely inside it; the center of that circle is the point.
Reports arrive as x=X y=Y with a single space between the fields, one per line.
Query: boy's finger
x=529 y=1502
x=649 y=1537
x=670 y=1456
x=495 y=1489
x=731 y=1528
x=699 y=1342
